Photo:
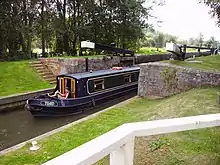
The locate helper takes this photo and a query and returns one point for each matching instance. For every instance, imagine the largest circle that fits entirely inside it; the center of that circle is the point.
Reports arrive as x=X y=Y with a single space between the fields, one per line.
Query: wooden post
x=134 y=59
x=184 y=52
x=212 y=51
x=123 y=155
x=87 y=64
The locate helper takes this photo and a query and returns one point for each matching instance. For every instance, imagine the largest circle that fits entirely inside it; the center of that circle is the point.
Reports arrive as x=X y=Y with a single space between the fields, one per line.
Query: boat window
x=127 y=78
x=61 y=84
x=67 y=83
x=99 y=84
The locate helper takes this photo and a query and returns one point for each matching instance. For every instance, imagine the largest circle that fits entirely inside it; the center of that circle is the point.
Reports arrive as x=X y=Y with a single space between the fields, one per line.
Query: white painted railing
x=119 y=143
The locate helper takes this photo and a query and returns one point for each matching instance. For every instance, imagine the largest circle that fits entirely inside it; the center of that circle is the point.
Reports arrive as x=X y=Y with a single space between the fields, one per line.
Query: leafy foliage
x=61 y=25
x=157 y=39
x=214 y=8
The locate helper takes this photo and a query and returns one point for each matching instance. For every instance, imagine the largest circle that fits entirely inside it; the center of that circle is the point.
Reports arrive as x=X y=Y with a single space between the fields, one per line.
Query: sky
x=185 y=19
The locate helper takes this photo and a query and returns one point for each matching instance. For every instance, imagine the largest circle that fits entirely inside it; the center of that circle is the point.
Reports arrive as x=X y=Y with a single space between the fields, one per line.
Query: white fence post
x=119 y=142
x=123 y=155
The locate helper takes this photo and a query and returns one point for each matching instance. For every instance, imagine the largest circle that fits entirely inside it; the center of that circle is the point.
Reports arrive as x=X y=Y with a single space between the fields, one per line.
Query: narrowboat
x=85 y=90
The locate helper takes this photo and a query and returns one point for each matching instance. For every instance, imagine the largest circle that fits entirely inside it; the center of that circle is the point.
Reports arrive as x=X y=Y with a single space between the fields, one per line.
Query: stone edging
x=17 y=100
x=13 y=148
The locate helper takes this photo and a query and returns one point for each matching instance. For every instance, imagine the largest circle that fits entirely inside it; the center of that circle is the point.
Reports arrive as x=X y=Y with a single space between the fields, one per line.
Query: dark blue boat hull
x=57 y=107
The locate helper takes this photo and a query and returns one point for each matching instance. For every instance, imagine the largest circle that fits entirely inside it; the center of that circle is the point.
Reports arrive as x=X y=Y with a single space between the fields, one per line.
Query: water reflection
x=20 y=125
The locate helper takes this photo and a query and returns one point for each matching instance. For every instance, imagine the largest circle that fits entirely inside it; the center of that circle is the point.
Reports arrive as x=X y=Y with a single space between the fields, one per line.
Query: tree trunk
x=22 y=42
x=59 y=45
x=66 y=42
x=65 y=36
x=79 y=14
x=12 y=48
x=74 y=47
x=74 y=28
x=2 y=46
x=23 y=36
x=42 y=28
x=29 y=38
x=13 y=33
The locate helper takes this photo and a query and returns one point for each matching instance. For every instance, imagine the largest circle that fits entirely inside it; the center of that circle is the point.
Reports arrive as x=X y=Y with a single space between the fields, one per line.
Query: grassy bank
x=178 y=148
x=151 y=51
x=144 y=50
x=18 y=77
x=91 y=56
x=206 y=63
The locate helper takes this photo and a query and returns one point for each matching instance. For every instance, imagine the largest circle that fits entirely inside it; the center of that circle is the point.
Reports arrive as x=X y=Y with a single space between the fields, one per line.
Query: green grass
x=195 y=50
x=92 y=56
x=191 y=50
x=37 y=50
x=176 y=148
x=211 y=63
x=144 y=50
x=151 y=51
x=199 y=147
x=18 y=77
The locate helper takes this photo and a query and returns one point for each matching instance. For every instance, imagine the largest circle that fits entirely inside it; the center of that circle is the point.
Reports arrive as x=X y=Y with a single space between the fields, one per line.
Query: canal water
x=19 y=126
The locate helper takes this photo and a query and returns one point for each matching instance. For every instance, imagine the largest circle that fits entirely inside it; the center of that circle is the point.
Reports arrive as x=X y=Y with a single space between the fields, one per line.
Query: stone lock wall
x=70 y=65
x=158 y=80
x=105 y=63
x=160 y=57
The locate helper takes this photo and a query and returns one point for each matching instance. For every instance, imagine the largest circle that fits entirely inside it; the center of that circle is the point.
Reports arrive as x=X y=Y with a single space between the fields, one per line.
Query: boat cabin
x=90 y=83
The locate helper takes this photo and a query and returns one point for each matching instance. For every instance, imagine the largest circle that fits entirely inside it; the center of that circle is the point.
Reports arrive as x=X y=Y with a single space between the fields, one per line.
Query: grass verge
x=91 y=56
x=151 y=51
x=211 y=63
x=18 y=77
x=178 y=148
x=144 y=50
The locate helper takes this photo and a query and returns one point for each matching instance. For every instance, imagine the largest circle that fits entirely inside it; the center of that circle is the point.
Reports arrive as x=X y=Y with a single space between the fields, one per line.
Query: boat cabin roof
x=98 y=73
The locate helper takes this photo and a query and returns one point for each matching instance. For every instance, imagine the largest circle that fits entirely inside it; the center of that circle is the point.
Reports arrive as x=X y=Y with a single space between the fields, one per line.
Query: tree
x=63 y=24
x=170 y=38
x=29 y=12
x=183 y=42
x=200 y=39
x=192 y=41
x=211 y=42
x=214 y=6
x=160 y=40
x=148 y=40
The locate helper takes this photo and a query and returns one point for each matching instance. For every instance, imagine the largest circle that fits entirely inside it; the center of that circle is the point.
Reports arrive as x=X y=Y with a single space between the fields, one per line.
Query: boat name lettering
x=49 y=103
